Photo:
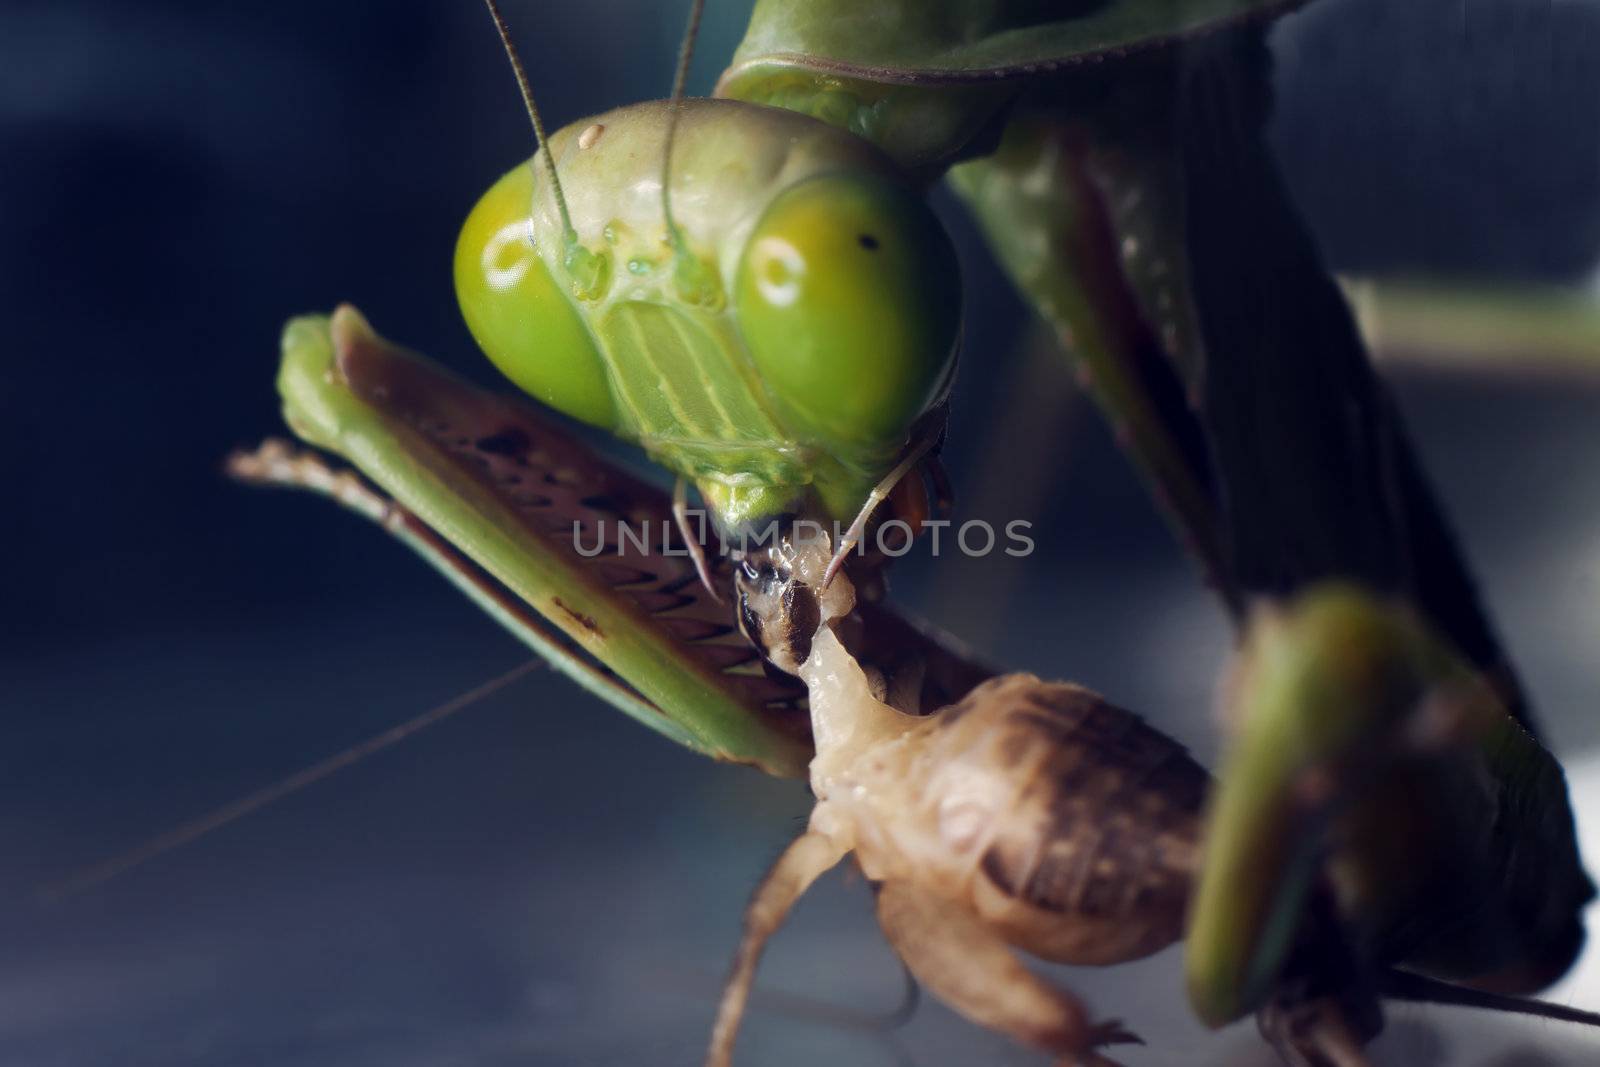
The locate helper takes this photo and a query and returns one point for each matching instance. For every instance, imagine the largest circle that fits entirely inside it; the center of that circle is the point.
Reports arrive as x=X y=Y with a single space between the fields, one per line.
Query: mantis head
x=770 y=316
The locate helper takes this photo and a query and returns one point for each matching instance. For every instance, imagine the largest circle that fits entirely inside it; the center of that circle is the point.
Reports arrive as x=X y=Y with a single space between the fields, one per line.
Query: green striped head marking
x=777 y=351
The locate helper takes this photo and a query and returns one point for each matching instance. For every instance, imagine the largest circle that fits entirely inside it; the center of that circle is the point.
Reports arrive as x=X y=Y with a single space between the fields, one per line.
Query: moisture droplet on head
x=590 y=272
x=695 y=281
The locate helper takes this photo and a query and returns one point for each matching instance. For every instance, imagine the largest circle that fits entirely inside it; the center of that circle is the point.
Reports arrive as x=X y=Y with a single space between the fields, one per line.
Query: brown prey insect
x=1028 y=815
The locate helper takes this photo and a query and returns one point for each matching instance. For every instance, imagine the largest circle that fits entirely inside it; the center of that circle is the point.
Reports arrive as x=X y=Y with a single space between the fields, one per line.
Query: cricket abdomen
x=1091 y=840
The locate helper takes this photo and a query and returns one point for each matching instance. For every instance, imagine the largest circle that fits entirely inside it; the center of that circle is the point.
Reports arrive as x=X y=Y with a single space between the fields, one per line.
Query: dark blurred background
x=540 y=881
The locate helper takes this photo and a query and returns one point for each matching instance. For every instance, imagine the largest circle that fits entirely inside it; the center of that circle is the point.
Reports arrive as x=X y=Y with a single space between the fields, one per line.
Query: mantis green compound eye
x=848 y=297
x=517 y=312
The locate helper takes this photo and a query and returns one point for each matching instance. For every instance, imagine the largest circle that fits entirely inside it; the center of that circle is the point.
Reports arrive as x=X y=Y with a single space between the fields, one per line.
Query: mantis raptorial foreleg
x=1366 y=755
x=1051 y=221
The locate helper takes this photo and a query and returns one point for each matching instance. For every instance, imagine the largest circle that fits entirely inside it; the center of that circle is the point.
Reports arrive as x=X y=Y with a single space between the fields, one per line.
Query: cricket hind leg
x=973 y=970
x=802 y=863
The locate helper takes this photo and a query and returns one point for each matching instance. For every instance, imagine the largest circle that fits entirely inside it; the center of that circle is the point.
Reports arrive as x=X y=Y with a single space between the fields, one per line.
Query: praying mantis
x=752 y=290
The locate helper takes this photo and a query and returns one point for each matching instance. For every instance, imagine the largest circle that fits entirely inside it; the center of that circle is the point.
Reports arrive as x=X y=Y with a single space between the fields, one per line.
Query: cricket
x=752 y=291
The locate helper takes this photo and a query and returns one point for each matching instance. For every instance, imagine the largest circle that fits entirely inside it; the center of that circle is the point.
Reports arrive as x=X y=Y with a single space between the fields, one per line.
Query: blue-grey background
x=540 y=881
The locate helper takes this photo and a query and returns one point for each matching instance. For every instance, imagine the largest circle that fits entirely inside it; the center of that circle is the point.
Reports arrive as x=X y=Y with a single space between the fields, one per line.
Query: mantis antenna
x=681 y=75
x=567 y=232
x=195 y=829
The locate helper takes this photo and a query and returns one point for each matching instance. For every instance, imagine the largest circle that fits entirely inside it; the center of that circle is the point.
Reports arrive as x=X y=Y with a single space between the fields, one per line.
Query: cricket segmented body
x=1081 y=819
x=1028 y=814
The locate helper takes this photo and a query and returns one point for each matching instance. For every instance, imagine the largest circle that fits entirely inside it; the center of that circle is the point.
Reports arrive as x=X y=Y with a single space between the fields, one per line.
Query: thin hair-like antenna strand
x=1420 y=989
x=567 y=232
x=674 y=105
x=247 y=805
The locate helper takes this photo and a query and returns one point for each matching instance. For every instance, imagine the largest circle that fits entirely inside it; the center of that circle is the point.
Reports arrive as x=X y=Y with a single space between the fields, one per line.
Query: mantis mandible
x=752 y=290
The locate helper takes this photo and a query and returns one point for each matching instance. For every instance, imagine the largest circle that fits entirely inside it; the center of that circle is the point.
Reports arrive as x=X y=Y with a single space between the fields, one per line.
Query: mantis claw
x=880 y=493
x=697 y=552
x=1111 y=1032
x=1113 y=1035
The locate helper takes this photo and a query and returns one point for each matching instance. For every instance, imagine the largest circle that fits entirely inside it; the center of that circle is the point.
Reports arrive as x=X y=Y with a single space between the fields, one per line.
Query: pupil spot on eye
x=869 y=242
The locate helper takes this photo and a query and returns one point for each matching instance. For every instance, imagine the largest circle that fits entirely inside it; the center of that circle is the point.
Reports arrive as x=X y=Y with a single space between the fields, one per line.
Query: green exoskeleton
x=753 y=291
